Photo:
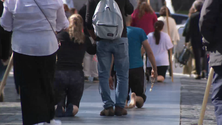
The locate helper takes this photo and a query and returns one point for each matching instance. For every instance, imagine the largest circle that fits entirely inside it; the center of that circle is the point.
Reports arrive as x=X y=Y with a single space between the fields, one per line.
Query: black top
x=5 y=39
x=211 y=29
x=82 y=12
x=192 y=31
x=1 y=8
x=125 y=6
x=70 y=55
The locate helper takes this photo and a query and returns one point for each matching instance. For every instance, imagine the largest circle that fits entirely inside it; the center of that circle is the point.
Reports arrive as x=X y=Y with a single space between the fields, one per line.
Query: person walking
x=193 y=34
x=34 y=44
x=210 y=27
x=5 y=45
x=69 y=76
x=90 y=61
x=105 y=49
x=160 y=43
x=136 y=39
x=174 y=34
x=144 y=17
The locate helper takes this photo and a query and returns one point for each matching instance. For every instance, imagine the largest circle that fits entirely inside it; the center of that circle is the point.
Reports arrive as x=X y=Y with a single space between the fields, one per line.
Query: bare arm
x=150 y=55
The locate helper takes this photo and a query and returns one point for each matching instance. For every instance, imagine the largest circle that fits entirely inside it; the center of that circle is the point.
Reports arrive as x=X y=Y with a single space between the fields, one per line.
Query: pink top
x=146 y=22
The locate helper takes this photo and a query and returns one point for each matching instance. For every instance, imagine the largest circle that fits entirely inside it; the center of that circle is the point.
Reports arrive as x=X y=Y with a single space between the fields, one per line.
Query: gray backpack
x=107 y=20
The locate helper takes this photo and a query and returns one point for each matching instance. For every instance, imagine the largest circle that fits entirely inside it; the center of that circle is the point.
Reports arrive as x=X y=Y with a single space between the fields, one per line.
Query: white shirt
x=174 y=34
x=32 y=34
x=160 y=51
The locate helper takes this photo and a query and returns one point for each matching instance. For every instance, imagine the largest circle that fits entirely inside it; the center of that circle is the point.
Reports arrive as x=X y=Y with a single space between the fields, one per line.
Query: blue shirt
x=136 y=36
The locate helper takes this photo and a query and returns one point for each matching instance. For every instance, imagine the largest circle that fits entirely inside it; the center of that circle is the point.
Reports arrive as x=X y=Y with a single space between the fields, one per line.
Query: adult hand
x=111 y=84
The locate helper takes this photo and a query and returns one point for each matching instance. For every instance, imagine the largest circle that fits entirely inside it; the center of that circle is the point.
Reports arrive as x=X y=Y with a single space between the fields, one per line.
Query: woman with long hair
x=69 y=76
x=144 y=17
x=160 y=43
x=34 y=45
x=174 y=34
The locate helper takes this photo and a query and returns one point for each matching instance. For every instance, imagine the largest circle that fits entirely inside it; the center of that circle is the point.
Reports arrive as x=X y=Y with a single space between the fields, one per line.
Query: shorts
x=161 y=70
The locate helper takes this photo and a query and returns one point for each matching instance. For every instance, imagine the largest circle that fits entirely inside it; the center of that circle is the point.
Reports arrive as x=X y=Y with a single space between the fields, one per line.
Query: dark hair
x=143 y=8
x=158 y=26
x=163 y=11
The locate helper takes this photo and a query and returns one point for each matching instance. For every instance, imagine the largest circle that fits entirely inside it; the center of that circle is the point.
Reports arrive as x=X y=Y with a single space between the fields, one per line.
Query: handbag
x=184 y=56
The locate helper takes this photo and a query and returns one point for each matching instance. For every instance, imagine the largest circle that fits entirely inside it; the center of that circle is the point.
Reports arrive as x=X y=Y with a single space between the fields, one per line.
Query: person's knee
x=160 y=79
x=75 y=110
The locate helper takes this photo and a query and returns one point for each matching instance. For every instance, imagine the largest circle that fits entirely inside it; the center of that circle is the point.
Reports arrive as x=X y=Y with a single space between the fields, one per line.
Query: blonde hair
x=143 y=8
x=75 y=28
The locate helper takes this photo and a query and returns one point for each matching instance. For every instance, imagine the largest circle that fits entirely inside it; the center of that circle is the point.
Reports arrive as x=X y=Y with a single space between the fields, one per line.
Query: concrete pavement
x=168 y=104
x=161 y=108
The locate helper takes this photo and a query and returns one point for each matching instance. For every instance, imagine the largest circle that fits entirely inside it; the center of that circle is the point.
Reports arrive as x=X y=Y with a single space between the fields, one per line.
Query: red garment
x=146 y=22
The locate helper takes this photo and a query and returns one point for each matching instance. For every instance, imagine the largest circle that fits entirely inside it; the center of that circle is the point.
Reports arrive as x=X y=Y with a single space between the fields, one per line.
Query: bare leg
x=132 y=101
x=75 y=110
x=160 y=79
x=139 y=102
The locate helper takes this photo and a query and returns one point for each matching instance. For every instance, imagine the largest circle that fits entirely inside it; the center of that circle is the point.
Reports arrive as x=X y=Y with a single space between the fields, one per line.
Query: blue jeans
x=119 y=49
x=217 y=93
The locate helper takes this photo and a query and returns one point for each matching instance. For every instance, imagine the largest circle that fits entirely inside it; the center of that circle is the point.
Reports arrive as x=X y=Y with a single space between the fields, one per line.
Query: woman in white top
x=174 y=34
x=160 y=43
x=34 y=45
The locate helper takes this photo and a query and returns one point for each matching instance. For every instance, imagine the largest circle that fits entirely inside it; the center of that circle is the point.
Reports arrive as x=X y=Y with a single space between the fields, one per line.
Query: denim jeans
x=217 y=93
x=119 y=49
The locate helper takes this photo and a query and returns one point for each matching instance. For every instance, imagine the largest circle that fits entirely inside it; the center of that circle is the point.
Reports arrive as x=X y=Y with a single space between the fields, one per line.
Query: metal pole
x=206 y=95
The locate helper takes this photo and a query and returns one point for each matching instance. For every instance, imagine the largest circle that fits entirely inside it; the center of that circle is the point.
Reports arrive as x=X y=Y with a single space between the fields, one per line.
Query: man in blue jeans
x=211 y=29
x=105 y=49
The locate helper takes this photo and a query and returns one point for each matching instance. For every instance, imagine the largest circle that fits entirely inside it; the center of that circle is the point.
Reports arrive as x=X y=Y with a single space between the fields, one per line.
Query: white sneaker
x=54 y=122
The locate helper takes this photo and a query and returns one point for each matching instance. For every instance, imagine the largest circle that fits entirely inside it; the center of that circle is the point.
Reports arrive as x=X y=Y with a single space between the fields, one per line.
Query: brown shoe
x=107 y=112
x=120 y=111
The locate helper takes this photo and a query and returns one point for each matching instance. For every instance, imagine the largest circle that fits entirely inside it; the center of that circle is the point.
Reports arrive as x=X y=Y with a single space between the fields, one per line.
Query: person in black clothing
x=90 y=61
x=69 y=77
x=193 y=34
x=5 y=47
x=105 y=49
x=211 y=29
x=82 y=12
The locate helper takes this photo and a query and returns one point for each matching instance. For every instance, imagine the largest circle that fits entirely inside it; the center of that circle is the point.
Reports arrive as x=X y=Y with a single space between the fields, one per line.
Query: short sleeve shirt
x=160 y=51
x=136 y=36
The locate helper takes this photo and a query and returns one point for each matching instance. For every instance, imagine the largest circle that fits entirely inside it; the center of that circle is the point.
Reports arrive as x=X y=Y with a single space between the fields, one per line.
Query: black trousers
x=198 y=53
x=69 y=84
x=136 y=82
x=35 y=75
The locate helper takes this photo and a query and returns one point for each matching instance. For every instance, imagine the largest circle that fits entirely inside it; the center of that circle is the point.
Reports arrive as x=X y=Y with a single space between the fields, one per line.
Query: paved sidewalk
x=161 y=108
x=192 y=93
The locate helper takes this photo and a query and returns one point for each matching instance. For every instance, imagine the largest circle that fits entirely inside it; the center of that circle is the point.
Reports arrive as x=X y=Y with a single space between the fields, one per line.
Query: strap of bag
x=47 y=20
